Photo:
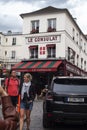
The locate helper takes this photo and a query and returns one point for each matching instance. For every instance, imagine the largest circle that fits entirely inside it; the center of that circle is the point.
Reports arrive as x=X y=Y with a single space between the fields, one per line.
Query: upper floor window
x=77 y=38
x=13 y=54
x=77 y=59
x=73 y=33
x=14 y=41
x=51 y=25
x=85 y=47
x=81 y=63
x=6 y=39
x=85 y=65
x=33 y=51
x=42 y=50
x=51 y=50
x=35 y=26
x=81 y=44
x=5 y=53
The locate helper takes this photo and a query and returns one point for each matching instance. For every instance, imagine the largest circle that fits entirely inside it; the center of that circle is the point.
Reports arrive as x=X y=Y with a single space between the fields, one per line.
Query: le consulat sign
x=37 y=39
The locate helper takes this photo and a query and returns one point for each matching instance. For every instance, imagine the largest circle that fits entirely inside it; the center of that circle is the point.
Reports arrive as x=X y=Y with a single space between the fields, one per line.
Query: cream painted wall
x=63 y=29
x=43 y=22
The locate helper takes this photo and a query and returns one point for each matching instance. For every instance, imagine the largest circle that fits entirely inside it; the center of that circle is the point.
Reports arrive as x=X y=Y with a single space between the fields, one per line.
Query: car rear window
x=70 y=85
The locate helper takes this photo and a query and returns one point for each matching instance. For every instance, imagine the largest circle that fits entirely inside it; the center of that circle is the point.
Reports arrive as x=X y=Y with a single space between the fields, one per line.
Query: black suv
x=65 y=101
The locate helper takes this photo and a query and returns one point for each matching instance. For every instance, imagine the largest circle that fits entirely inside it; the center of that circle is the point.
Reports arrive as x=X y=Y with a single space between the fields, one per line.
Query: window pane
x=14 y=41
x=70 y=88
x=49 y=23
x=33 y=25
x=13 y=54
x=51 y=51
x=34 y=53
x=70 y=85
x=52 y=23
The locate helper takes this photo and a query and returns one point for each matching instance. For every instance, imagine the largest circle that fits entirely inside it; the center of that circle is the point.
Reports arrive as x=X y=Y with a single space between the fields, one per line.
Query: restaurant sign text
x=37 y=39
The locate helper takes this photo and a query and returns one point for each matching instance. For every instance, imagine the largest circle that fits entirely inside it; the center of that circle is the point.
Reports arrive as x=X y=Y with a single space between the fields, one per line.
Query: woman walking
x=27 y=93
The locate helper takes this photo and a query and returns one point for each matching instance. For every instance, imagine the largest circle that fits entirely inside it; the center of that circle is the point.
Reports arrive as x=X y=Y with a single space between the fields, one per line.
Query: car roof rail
x=70 y=77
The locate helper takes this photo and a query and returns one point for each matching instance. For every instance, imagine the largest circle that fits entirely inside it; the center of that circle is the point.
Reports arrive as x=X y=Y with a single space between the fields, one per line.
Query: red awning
x=34 y=46
x=50 y=45
x=37 y=66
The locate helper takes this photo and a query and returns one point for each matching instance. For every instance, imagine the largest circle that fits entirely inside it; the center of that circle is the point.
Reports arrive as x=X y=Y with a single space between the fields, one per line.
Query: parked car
x=65 y=101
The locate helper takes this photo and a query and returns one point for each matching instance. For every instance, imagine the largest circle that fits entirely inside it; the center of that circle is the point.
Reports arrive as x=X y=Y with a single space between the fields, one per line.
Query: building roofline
x=45 y=10
x=50 y=10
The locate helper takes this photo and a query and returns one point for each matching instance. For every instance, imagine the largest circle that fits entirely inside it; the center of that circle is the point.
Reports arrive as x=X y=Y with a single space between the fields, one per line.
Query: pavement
x=36 y=116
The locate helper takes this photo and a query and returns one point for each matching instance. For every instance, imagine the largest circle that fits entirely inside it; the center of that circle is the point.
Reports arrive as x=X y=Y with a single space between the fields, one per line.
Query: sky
x=10 y=11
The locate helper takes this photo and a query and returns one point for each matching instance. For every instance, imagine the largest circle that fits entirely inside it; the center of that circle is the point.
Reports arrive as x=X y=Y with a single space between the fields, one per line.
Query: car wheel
x=46 y=123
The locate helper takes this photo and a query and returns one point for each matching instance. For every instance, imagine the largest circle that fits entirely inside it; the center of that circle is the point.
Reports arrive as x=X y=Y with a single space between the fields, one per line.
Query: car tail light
x=49 y=96
x=49 y=115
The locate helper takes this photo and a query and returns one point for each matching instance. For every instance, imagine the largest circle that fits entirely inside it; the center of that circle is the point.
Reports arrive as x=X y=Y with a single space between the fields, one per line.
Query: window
x=73 y=33
x=34 y=52
x=5 y=53
x=77 y=60
x=70 y=85
x=85 y=65
x=14 y=41
x=77 y=38
x=35 y=26
x=6 y=39
x=13 y=54
x=51 y=25
x=42 y=50
x=85 y=47
x=81 y=63
x=51 y=51
x=81 y=43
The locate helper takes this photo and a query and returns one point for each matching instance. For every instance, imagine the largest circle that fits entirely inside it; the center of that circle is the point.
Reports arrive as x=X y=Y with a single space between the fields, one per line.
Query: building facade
x=51 y=41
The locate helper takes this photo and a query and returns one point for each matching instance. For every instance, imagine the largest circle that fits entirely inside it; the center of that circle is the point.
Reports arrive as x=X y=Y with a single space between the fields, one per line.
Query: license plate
x=75 y=99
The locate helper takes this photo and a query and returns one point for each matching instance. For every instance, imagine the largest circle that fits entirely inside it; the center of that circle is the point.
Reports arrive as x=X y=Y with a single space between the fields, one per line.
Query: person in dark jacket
x=10 y=115
x=27 y=93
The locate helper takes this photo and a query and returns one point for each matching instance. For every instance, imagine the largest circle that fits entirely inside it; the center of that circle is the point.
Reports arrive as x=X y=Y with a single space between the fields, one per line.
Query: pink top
x=13 y=86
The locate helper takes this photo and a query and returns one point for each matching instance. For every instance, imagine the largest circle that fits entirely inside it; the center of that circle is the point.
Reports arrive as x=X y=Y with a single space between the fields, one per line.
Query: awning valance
x=34 y=46
x=37 y=66
x=50 y=45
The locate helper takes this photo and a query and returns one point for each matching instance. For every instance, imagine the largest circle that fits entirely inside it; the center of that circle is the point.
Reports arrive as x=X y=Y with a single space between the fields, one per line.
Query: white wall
x=43 y=22
x=64 y=27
